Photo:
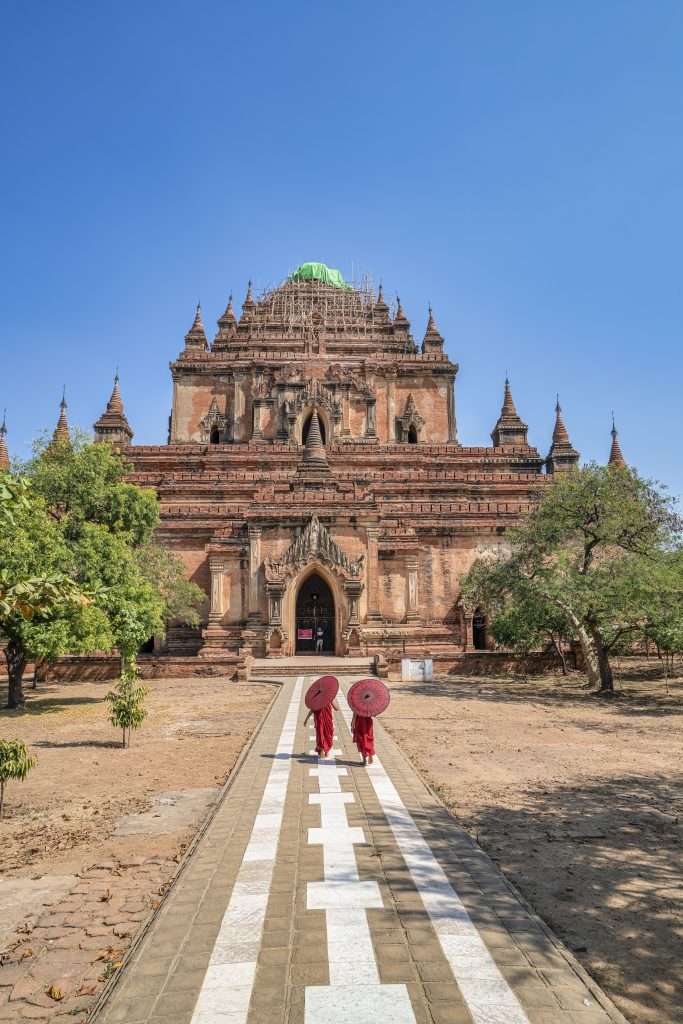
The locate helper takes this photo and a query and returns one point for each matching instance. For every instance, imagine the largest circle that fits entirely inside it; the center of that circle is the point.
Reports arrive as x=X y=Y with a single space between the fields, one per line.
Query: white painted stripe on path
x=355 y=994
x=489 y=998
x=229 y=981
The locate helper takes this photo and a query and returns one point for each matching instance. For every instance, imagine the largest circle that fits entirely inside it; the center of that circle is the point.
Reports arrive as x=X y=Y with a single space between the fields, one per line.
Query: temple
x=313 y=481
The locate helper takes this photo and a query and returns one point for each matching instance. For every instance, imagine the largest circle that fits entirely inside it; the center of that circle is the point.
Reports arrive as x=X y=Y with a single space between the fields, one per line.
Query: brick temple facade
x=314 y=485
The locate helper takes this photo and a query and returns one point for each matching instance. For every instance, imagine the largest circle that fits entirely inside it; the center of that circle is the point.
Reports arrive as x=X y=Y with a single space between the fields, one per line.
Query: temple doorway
x=479 y=630
x=315 y=625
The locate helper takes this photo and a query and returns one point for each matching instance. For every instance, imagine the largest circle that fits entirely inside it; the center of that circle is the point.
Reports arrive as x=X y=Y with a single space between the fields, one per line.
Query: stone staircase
x=311 y=665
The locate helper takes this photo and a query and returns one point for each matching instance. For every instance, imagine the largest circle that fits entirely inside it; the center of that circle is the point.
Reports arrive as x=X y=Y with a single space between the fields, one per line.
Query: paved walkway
x=328 y=893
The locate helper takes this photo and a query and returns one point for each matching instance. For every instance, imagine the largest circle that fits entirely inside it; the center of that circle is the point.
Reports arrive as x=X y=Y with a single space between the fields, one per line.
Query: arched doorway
x=307 y=426
x=215 y=436
x=315 y=625
x=412 y=434
x=479 y=630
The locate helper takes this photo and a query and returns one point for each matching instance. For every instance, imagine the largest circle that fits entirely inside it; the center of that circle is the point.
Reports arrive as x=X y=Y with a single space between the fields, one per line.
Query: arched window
x=412 y=434
x=214 y=437
x=307 y=427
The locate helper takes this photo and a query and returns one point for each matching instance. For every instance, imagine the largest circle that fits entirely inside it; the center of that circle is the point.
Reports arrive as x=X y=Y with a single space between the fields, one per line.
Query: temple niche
x=314 y=484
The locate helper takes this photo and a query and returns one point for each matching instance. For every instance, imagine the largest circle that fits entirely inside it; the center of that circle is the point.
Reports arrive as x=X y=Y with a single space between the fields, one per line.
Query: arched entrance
x=479 y=630
x=315 y=619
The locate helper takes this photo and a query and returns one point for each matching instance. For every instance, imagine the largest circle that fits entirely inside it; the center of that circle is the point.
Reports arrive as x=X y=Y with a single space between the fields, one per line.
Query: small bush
x=127 y=703
x=15 y=763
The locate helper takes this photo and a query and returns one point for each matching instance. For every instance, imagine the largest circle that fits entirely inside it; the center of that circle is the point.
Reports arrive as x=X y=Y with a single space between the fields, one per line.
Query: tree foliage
x=15 y=764
x=598 y=551
x=78 y=562
x=126 y=704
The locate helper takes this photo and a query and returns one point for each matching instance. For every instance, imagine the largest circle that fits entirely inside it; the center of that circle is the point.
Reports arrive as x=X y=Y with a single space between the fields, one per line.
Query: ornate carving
x=214 y=420
x=410 y=418
x=314 y=543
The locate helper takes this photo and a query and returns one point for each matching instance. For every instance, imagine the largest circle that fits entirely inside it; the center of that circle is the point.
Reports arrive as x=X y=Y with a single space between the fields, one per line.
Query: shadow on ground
x=603 y=866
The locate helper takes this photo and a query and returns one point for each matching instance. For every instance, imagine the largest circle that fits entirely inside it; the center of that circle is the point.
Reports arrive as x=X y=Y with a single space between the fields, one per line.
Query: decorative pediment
x=314 y=544
x=215 y=420
x=410 y=418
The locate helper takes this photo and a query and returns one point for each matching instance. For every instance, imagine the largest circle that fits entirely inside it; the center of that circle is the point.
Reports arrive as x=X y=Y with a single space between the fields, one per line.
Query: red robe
x=363 y=735
x=324 y=730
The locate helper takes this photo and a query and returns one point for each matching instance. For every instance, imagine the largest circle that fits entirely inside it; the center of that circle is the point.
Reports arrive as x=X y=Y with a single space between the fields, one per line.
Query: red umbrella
x=368 y=697
x=321 y=693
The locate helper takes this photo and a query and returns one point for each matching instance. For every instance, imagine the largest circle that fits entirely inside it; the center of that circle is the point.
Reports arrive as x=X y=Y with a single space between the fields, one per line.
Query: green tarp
x=319 y=272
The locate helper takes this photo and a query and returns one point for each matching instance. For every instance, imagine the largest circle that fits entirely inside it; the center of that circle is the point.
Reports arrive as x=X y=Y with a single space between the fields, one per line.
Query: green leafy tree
x=78 y=568
x=37 y=583
x=127 y=703
x=78 y=629
x=183 y=600
x=15 y=763
x=592 y=551
x=525 y=626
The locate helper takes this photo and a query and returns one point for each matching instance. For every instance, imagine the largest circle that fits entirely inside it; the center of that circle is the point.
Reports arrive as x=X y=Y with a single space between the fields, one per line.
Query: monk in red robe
x=324 y=728
x=363 y=736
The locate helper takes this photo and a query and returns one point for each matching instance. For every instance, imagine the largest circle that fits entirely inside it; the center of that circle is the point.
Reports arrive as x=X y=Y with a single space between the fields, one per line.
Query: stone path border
x=366 y=859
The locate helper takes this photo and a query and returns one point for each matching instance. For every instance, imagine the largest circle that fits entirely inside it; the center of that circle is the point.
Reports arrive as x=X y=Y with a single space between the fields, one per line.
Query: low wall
x=107 y=667
x=488 y=663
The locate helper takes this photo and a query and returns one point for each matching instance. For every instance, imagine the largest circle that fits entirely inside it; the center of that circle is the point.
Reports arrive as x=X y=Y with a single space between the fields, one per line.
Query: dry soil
x=579 y=800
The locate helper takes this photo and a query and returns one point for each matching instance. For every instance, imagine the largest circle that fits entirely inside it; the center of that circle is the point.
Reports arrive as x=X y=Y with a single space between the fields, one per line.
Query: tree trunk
x=590 y=655
x=40 y=671
x=15 y=655
x=606 y=677
x=2 y=796
x=557 y=644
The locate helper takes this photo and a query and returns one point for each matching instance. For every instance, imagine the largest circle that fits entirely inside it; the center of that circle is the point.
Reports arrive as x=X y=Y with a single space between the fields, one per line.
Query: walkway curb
x=112 y=983
x=598 y=994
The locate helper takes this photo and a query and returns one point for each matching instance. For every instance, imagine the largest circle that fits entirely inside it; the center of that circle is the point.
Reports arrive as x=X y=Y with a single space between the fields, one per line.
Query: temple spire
x=315 y=457
x=4 y=454
x=433 y=340
x=562 y=455
x=615 y=456
x=510 y=429
x=196 y=336
x=61 y=431
x=381 y=309
x=227 y=326
x=400 y=315
x=508 y=401
x=112 y=426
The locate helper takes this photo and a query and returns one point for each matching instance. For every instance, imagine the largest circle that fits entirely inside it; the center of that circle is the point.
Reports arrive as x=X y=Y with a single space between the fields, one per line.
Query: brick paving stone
x=290 y=954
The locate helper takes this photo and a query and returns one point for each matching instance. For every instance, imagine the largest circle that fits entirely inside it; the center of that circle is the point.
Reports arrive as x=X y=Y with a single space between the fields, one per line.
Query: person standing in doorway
x=319 y=639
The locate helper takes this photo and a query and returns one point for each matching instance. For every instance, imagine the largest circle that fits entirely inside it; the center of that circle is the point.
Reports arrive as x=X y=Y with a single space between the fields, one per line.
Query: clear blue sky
x=519 y=165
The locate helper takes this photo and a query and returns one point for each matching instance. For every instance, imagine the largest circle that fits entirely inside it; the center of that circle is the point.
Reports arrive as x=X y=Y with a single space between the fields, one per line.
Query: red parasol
x=368 y=697
x=321 y=693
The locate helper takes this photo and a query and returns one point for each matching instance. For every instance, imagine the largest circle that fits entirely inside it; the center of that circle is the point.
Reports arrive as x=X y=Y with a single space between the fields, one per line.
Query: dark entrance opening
x=215 y=436
x=412 y=434
x=307 y=427
x=479 y=630
x=147 y=647
x=315 y=617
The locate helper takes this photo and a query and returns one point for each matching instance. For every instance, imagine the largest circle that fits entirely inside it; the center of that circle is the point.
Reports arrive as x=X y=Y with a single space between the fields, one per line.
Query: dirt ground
x=91 y=839
x=580 y=801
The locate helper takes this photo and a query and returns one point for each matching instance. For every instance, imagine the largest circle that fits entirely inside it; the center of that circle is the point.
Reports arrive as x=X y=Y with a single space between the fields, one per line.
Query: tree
x=524 y=626
x=183 y=600
x=592 y=551
x=126 y=701
x=15 y=763
x=37 y=582
x=78 y=569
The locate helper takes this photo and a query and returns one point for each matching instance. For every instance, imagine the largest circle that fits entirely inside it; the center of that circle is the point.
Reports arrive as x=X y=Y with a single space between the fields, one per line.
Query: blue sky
x=519 y=165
